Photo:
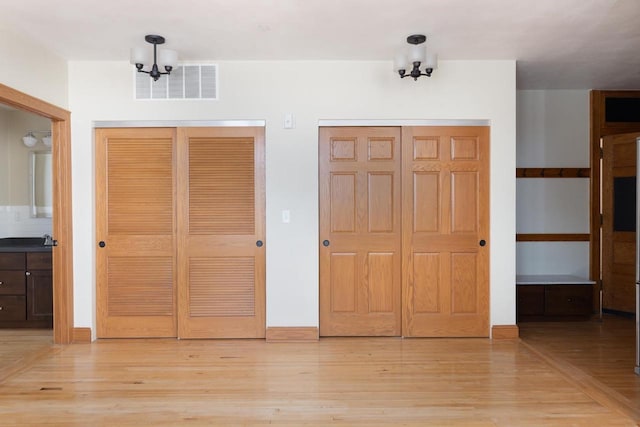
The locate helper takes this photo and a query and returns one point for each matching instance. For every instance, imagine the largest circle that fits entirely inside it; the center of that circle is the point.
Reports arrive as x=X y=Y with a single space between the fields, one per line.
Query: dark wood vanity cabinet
x=26 y=290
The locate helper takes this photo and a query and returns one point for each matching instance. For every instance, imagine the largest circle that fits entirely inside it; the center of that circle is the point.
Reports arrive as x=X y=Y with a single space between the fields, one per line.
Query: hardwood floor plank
x=20 y=348
x=348 y=381
x=599 y=355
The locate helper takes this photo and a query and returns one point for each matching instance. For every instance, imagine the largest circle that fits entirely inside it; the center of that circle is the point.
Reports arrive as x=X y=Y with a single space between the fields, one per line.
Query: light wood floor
x=369 y=381
x=19 y=348
x=598 y=355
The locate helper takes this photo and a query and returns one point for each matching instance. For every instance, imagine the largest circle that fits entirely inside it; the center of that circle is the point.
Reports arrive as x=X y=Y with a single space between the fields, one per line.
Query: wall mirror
x=40 y=174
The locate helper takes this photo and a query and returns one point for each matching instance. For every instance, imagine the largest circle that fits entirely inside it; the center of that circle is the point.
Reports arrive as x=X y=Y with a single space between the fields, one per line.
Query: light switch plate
x=288 y=121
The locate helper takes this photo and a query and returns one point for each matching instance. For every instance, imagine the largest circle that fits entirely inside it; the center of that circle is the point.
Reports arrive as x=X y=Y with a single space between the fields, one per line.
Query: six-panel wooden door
x=441 y=176
x=445 y=225
x=135 y=233
x=360 y=231
x=221 y=257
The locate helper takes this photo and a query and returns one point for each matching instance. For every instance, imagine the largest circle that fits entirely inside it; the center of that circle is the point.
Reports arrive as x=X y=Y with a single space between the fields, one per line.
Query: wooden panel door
x=221 y=229
x=445 y=221
x=360 y=231
x=135 y=229
x=619 y=222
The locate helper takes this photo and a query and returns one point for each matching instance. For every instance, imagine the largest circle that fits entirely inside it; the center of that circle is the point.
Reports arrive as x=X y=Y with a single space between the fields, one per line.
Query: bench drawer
x=568 y=300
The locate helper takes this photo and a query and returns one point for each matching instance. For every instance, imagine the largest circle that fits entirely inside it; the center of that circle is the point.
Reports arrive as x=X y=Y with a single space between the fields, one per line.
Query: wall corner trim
x=505 y=332
x=292 y=334
x=81 y=336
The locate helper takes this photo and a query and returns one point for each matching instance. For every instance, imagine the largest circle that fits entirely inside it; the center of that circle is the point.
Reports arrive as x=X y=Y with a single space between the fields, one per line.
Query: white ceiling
x=566 y=44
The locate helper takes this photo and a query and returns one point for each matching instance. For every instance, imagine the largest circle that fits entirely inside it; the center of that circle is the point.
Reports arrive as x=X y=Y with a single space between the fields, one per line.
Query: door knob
x=102 y=244
x=326 y=243
x=483 y=242
x=27 y=273
x=259 y=243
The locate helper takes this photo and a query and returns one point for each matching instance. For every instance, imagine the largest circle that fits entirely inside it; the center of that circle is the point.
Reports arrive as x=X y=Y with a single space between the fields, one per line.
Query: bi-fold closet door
x=404 y=226
x=180 y=232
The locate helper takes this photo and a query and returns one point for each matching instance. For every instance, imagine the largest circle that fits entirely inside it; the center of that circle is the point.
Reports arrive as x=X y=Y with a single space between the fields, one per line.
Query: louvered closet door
x=445 y=231
x=221 y=255
x=135 y=229
x=360 y=284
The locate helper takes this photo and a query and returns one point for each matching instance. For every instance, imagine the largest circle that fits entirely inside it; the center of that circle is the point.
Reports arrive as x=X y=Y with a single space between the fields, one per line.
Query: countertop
x=23 y=244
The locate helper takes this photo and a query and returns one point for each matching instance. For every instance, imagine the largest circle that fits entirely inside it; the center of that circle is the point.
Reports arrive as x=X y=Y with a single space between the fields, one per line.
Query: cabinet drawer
x=12 y=261
x=568 y=300
x=530 y=300
x=38 y=260
x=11 y=282
x=13 y=308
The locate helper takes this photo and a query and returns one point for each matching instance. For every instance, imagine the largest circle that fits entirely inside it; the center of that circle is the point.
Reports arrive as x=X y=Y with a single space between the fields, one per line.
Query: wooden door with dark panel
x=135 y=229
x=445 y=212
x=221 y=232
x=360 y=231
x=619 y=222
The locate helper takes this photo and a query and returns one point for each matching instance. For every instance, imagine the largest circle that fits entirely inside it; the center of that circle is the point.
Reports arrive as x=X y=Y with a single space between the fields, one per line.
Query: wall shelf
x=552 y=237
x=553 y=172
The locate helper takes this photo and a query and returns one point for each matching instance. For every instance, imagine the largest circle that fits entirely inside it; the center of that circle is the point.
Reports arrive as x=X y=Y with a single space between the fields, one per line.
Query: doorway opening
x=61 y=208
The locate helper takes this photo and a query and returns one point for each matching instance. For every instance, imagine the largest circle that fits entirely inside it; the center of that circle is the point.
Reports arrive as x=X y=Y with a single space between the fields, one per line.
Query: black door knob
x=102 y=244
x=483 y=242
x=259 y=243
x=326 y=243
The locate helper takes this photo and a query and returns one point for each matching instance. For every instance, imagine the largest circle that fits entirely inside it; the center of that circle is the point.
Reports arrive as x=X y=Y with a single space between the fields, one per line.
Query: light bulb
x=29 y=140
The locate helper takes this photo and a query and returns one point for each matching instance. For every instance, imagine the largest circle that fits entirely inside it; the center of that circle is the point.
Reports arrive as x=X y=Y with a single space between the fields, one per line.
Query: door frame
x=62 y=220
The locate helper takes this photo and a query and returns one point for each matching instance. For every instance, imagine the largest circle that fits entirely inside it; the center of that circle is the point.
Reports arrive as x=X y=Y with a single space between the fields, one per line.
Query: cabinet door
x=39 y=295
x=530 y=301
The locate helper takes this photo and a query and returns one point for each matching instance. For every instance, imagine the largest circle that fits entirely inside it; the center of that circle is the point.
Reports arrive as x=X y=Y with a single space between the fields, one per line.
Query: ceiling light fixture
x=165 y=58
x=418 y=56
x=30 y=140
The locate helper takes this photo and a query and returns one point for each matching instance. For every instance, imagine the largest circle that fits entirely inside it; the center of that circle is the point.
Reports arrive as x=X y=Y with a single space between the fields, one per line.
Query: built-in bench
x=553 y=297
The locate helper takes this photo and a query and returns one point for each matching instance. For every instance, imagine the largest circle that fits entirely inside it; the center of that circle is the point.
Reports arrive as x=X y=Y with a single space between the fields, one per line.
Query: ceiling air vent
x=187 y=81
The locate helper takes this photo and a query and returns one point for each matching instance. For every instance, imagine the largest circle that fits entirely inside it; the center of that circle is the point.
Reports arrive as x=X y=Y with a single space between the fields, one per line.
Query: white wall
x=311 y=91
x=553 y=128
x=32 y=69
x=553 y=131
